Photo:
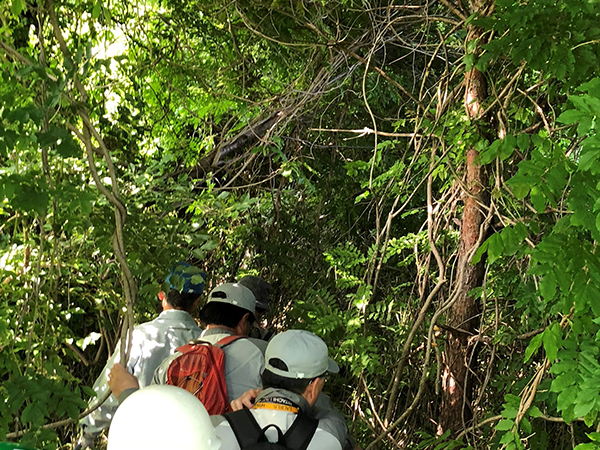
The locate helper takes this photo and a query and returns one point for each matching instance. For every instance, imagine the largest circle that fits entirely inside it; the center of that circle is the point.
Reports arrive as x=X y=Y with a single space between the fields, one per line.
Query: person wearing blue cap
x=152 y=342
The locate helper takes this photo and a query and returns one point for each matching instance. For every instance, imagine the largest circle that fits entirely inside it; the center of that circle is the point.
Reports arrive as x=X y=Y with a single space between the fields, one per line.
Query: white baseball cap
x=234 y=294
x=304 y=354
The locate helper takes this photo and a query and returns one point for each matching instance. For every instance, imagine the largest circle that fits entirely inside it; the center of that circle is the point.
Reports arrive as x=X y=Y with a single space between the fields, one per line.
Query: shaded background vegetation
x=323 y=147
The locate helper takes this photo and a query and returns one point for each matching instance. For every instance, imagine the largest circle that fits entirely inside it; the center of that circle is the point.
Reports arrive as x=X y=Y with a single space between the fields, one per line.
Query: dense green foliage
x=320 y=145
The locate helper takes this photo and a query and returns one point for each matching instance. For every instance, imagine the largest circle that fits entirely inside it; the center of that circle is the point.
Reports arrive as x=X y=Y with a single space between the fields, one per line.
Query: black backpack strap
x=228 y=340
x=299 y=435
x=244 y=426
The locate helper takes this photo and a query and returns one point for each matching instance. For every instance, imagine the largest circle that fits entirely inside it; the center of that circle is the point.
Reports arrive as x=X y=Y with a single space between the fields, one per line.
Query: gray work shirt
x=152 y=342
x=244 y=362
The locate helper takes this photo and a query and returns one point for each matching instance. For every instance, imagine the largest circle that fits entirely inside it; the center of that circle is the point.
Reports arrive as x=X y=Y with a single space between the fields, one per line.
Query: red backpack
x=200 y=369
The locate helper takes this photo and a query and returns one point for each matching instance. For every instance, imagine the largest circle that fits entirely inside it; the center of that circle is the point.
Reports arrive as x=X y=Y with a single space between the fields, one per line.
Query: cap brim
x=332 y=366
x=261 y=305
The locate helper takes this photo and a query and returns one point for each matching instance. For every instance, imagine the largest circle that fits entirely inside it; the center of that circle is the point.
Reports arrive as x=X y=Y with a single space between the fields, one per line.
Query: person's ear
x=194 y=306
x=163 y=299
x=242 y=328
x=313 y=390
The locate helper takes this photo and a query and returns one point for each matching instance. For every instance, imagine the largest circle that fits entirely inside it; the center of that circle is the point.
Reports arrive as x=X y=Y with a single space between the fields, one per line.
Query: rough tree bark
x=463 y=317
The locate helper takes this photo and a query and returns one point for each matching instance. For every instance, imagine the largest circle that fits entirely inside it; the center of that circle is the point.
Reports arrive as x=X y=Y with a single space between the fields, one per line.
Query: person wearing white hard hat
x=230 y=311
x=162 y=417
x=296 y=366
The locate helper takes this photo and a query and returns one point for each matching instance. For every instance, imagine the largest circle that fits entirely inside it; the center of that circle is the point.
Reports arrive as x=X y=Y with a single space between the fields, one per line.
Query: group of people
x=274 y=387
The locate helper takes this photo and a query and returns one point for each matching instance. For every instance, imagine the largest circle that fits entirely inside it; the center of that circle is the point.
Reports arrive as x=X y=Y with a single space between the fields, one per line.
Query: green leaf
x=583 y=406
x=96 y=10
x=534 y=411
x=571 y=116
x=362 y=196
x=552 y=337
x=586 y=446
x=538 y=199
x=525 y=425
x=18 y=6
x=520 y=185
x=533 y=347
x=508 y=147
x=67 y=148
x=504 y=425
x=479 y=253
x=490 y=153
x=197 y=279
x=563 y=381
x=34 y=414
x=548 y=287
x=495 y=247
x=566 y=399
x=523 y=141
x=588 y=159
x=469 y=60
x=507 y=437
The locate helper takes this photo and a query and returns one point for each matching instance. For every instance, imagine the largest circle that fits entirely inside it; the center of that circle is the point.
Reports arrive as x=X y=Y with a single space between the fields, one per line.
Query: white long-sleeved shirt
x=152 y=342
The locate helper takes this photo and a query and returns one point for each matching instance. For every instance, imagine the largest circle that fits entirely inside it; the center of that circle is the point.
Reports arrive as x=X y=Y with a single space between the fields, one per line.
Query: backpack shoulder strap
x=299 y=435
x=190 y=345
x=228 y=340
x=244 y=426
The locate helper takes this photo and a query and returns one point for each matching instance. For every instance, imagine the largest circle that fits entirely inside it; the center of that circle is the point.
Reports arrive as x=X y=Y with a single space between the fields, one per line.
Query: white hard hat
x=159 y=417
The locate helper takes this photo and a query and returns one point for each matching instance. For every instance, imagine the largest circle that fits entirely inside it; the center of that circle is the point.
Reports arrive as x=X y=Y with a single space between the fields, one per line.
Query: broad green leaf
x=588 y=159
x=525 y=425
x=479 y=253
x=495 y=247
x=534 y=411
x=97 y=9
x=552 y=338
x=587 y=446
x=548 y=286
x=584 y=406
x=570 y=116
x=510 y=412
x=504 y=425
x=538 y=199
x=507 y=437
x=17 y=6
x=520 y=185
x=563 y=381
x=197 y=279
x=508 y=147
x=533 y=347
x=523 y=141
x=566 y=398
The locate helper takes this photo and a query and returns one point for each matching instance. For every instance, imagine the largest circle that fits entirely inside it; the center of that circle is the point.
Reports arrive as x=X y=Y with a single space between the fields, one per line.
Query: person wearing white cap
x=296 y=365
x=162 y=417
x=229 y=311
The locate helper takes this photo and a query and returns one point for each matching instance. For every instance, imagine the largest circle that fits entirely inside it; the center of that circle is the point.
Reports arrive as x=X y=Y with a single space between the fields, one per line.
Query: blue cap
x=186 y=279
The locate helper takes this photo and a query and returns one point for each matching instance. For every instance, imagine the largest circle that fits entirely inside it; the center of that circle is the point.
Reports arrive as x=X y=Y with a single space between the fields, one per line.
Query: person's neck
x=169 y=307
x=223 y=327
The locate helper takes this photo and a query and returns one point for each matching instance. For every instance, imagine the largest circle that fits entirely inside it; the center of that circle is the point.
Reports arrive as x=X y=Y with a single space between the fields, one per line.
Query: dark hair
x=224 y=314
x=271 y=380
x=183 y=301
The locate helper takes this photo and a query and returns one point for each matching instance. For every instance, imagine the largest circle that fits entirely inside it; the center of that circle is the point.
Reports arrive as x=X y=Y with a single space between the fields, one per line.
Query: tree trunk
x=463 y=318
